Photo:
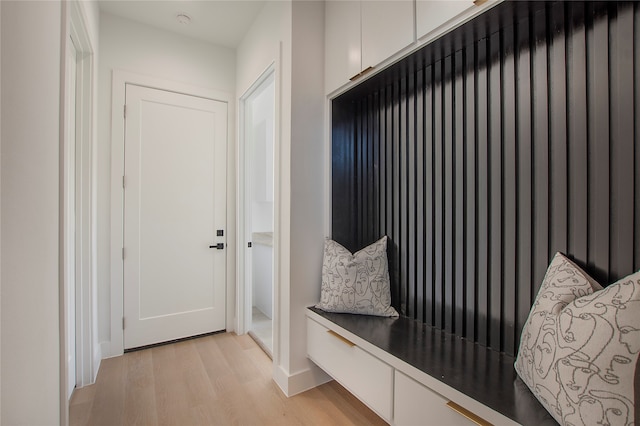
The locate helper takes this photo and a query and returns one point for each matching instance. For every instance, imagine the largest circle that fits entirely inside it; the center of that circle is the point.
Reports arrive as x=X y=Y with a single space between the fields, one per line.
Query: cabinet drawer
x=415 y=404
x=364 y=375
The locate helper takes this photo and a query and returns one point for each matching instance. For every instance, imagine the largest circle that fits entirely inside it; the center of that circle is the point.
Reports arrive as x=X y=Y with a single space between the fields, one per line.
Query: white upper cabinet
x=362 y=34
x=343 y=53
x=387 y=28
x=433 y=14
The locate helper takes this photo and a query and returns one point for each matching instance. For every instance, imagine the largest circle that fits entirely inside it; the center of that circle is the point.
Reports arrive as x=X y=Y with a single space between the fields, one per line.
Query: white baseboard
x=293 y=384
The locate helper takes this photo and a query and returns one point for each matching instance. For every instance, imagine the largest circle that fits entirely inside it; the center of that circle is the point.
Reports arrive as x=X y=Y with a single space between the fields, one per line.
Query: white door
x=174 y=210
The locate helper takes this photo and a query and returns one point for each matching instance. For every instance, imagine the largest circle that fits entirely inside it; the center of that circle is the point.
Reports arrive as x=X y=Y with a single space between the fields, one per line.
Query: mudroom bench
x=412 y=374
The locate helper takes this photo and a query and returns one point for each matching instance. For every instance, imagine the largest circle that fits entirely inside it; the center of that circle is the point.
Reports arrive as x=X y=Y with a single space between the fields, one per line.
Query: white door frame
x=244 y=274
x=75 y=28
x=115 y=346
x=71 y=225
x=87 y=368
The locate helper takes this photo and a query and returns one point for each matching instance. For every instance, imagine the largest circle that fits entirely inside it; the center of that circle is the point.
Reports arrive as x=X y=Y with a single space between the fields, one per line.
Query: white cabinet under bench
x=412 y=374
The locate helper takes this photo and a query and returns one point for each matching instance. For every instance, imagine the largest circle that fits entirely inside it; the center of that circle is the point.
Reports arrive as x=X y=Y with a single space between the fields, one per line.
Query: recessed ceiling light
x=183 y=18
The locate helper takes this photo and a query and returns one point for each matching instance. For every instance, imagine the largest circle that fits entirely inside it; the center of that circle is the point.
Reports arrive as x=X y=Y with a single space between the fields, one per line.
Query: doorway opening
x=256 y=210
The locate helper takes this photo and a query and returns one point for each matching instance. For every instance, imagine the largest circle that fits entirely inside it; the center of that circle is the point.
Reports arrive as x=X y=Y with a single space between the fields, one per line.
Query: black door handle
x=219 y=246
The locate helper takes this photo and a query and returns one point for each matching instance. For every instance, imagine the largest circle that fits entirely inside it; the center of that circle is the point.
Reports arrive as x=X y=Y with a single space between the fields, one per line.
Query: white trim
x=115 y=346
x=63 y=262
x=243 y=274
x=327 y=170
x=74 y=30
x=86 y=368
x=301 y=381
x=277 y=210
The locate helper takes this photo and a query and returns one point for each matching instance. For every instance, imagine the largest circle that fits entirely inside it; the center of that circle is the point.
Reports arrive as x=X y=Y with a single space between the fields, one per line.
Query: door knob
x=219 y=246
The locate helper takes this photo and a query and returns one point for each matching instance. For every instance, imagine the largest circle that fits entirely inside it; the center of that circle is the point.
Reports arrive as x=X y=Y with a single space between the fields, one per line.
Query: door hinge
x=123 y=323
x=123 y=182
x=122 y=253
x=124 y=112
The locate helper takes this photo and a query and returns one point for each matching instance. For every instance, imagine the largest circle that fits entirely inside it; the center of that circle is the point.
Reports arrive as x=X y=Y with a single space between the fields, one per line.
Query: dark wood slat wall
x=484 y=154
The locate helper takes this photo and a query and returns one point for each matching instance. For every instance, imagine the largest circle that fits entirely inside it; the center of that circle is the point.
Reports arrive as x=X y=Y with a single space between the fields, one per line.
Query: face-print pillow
x=580 y=345
x=356 y=283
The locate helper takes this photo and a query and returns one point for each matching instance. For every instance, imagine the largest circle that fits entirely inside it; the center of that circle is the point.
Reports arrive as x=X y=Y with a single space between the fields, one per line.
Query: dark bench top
x=480 y=373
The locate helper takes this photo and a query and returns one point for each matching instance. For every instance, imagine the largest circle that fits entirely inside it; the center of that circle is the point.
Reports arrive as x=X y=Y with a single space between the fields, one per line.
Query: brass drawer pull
x=339 y=337
x=361 y=73
x=468 y=414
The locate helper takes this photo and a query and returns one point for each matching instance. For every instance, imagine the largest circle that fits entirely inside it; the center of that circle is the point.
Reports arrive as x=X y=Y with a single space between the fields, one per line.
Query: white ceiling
x=221 y=22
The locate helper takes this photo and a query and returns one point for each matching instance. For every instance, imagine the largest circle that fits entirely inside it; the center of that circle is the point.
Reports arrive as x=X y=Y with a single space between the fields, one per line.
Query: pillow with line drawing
x=580 y=346
x=356 y=283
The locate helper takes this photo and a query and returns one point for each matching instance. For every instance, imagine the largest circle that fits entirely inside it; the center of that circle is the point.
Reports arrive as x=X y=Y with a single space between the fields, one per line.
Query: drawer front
x=415 y=404
x=361 y=373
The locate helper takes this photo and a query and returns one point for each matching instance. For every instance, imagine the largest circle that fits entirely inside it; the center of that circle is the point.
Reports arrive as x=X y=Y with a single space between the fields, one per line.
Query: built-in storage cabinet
x=364 y=375
x=343 y=56
x=361 y=34
x=433 y=15
x=387 y=28
x=415 y=404
x=397 y=391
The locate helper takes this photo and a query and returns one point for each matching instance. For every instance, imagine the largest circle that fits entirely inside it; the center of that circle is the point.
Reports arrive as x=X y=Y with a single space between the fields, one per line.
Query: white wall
x=307 y=171
x=129 y=46
x=30 y=81
x=261 y=45
x=291 y=34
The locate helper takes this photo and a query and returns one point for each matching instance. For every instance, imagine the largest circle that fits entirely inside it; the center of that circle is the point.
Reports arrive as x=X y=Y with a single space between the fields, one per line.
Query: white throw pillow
x=356 y=283
x=580 y=344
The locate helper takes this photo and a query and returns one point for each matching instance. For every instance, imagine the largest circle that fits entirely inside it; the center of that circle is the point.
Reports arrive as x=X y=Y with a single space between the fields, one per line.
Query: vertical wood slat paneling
x=577 y=125
x=420 y=201
x=509 y=182
x=495 y=174
x=482 y=196
x=448 y=195
x=459 y=302
x=438 y=177
x=480 y=162
x=429 y=216
x=524 y=231
x=557 y=128
x=471 y=280
x=598 y=142
x=540 y=160
x=622 y=146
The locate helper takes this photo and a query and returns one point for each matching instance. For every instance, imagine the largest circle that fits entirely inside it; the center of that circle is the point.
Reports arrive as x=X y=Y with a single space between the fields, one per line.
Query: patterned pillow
x=356 y=283
x=580 y=345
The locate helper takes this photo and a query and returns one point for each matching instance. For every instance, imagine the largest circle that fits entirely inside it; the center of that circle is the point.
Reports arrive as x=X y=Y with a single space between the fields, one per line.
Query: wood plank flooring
x=222 y=379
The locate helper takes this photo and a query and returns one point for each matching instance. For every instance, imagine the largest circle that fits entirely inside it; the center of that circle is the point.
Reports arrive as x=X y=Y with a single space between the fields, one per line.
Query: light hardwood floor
x=222 y=379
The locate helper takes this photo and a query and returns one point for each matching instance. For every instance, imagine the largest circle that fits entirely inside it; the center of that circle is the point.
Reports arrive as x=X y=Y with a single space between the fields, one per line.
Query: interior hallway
x=221 y=379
